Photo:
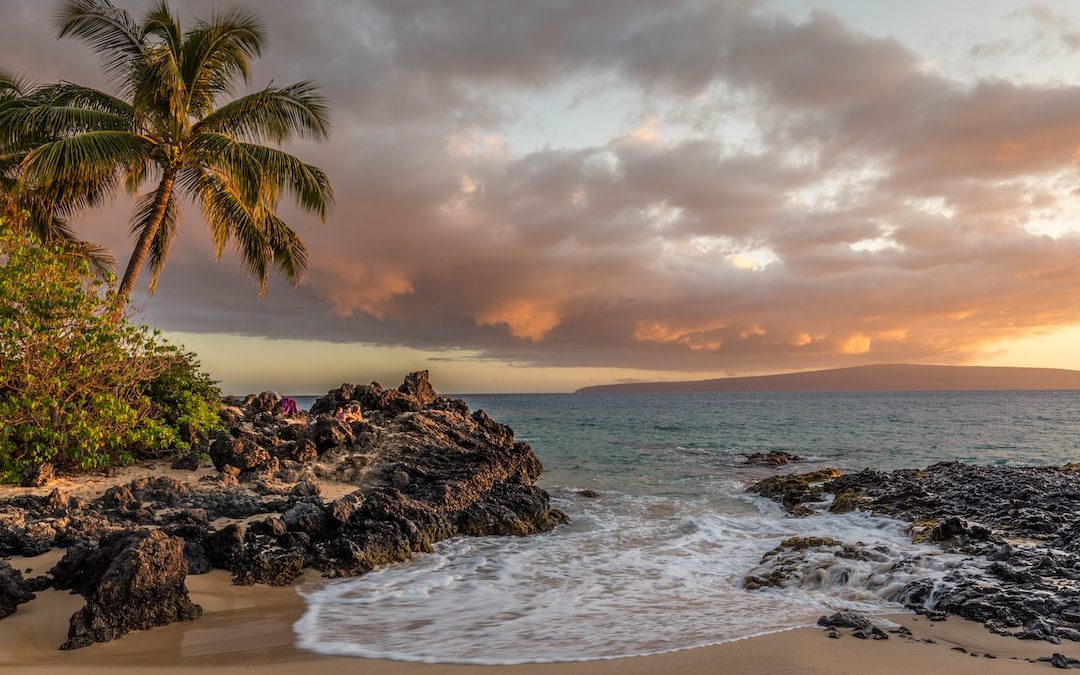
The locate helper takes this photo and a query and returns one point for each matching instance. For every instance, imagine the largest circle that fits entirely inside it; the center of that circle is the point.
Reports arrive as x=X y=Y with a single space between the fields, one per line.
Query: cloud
x=845 y=204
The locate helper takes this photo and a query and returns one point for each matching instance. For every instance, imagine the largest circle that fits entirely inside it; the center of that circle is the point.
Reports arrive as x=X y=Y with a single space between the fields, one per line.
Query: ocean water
x=656 y=563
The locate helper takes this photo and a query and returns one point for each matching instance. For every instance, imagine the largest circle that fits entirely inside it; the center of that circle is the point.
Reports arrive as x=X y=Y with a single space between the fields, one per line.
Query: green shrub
x=79 y=386
x=185 y=397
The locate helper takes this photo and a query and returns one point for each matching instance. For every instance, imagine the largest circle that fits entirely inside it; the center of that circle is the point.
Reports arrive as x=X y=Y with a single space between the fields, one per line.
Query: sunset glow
x=543 y=196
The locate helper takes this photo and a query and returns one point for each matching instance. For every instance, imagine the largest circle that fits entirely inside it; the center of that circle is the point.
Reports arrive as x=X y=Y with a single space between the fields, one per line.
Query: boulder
x=14 y=590
x=38 y=475
x=242 y=453
x=328 y=432
x=131 y=580
x=772 y=458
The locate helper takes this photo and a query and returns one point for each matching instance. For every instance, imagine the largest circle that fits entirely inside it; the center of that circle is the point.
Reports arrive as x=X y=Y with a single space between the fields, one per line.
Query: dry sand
x=92 y=485
x=249 y=631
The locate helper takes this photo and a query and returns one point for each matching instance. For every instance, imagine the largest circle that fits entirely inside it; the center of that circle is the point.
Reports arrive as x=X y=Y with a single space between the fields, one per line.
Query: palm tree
x=166 y=124
x=43 y=214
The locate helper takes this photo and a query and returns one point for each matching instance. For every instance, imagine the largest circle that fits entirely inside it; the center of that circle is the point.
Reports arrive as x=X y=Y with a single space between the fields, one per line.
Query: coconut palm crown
x=166 y=125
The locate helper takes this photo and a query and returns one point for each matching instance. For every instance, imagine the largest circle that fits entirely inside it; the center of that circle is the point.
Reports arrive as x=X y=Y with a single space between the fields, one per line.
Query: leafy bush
x=79 y=386
x=185 y=397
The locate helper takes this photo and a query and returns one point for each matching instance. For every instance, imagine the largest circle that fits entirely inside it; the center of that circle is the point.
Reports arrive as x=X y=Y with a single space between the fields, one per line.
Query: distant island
x=883 y=377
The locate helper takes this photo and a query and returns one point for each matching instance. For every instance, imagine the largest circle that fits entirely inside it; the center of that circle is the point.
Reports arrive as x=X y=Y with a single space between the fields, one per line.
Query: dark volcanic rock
x=510 y=509
x=861 y=626
x=38 y=475
x=328 y=432
x=772 y=458
x=424 y=467
x=1016 y=524
x=188 y=461
x=417 y=386
x=131 y=580
x=242 y=453
x=14 y=591
x=796 y=491
x=385 y=527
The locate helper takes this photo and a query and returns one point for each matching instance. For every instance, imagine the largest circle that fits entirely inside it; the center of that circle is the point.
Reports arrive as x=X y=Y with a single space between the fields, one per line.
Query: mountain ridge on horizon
x=882 y=377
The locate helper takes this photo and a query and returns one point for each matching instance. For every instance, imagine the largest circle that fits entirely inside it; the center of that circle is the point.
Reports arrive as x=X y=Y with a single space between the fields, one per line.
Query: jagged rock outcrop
x=796 y=492
x=424 y=467
x=1016 y=524
x=131 y=580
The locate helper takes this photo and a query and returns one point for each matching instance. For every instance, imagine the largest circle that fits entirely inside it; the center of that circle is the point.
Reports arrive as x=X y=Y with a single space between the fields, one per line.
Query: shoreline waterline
x=249 y=630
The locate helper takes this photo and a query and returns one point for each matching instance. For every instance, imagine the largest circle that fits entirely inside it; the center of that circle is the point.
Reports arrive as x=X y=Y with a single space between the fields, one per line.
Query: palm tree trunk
x=146 y=238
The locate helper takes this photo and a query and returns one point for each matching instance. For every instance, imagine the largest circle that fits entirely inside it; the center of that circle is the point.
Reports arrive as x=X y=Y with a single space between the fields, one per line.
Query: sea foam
x=633 y=575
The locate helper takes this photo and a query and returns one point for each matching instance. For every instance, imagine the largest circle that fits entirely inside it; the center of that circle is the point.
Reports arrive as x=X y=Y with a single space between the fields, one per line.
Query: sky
x=541 y=195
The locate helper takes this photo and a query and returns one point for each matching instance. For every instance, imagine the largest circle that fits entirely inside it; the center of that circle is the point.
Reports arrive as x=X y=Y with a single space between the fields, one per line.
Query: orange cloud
x=350 y=286
x=856 y=344
x=526 y=318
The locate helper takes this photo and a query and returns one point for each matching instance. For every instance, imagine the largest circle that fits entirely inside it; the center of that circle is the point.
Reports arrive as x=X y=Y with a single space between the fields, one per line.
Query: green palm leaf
x=110 y=31
x=91 y=156
x=273 y=114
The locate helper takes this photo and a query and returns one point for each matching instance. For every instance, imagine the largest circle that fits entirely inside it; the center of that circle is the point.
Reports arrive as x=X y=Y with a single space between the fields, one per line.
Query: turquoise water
x=656 y=441
x=656 y=563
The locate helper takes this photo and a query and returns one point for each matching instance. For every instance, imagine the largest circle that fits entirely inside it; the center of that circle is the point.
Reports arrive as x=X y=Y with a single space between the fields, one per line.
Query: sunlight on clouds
x=351 y=286
x=838 y=188
x=936 y=206
x=700 y=338
x=754 y=260
x=876 y=244
x=661 y=214
x=649 y=132
x=856 y=344
x=721 y=248
x=469 y=144
x=526 y=318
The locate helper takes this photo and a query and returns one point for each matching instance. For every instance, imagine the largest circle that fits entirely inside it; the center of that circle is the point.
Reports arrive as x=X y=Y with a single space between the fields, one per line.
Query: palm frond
x=160 y=22
x=55 y=121
x=159 y=93
x=225 y=155
x=276 y=114
x=101 y=259
x=71 y=94
x=218 y=52
x=262 y=239
x=290 y=253
x=14 y=86
x=107 y=29
x=253 y=167
x=33 y=216
x=90 y=156
x=309 y=184
x=59 y=232
x=221 y=206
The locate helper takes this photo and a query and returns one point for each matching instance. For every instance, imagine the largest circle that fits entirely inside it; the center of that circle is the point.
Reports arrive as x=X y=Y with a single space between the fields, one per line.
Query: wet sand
x=248 y=630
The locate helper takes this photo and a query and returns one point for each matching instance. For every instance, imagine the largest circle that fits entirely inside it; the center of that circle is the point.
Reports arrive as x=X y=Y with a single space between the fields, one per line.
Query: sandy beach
x=249 y=630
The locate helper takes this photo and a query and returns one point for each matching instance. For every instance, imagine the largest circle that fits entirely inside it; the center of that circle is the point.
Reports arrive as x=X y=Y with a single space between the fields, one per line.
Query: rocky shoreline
x=419 y=467
x=272 y=495
x=1012 y=533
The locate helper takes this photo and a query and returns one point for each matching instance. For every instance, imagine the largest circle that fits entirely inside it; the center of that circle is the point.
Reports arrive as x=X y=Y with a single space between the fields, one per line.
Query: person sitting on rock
x=287 y=407
x=352 y=413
